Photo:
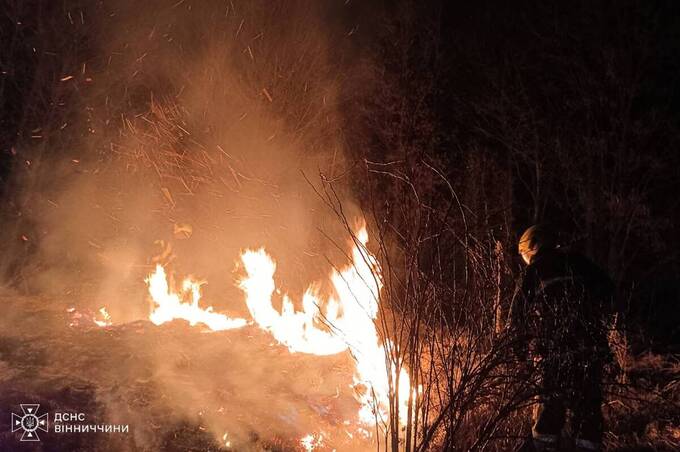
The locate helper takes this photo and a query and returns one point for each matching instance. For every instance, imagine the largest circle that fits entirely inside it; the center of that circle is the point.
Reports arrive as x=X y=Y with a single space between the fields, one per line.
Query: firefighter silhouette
x=558 y=317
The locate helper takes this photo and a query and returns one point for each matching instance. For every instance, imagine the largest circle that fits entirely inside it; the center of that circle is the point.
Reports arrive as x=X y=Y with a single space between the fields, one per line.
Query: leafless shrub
x=440 y=308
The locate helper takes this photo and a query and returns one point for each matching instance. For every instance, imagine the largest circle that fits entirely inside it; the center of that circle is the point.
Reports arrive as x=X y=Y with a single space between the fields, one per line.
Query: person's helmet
x=536 y=238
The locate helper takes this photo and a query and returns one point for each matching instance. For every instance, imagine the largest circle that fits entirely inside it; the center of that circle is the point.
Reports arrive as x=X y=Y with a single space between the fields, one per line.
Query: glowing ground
x=177 y=387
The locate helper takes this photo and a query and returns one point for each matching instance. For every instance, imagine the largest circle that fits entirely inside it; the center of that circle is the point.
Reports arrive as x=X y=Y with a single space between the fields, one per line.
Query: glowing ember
x=170 y=305
x=105 y=318
x=311 y=442
x=87 y=318
x=226 y=440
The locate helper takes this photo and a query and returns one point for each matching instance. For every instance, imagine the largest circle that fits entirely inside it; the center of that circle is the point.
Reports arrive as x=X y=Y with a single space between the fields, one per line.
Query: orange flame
x=343 y=322
x=170 y=305
x=351 y=318
x=105 y=318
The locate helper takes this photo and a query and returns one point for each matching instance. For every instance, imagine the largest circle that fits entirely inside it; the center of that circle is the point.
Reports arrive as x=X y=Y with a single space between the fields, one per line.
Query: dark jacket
x=561 y=309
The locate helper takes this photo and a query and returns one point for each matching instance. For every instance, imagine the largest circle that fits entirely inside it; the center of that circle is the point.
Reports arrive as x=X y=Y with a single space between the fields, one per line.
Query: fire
x=170 y=305
x=226 y=440
x=105 y=318
x=86 y=318
x=310 y=442
x=348 y=321
x=298 y=330
x=344 y=321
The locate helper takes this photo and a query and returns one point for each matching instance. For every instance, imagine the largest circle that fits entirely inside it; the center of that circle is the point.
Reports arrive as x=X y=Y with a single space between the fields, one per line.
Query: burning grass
x=173 y=384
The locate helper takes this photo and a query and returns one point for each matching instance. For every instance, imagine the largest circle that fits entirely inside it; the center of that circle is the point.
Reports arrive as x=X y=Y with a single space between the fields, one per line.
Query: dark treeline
x=561 y=113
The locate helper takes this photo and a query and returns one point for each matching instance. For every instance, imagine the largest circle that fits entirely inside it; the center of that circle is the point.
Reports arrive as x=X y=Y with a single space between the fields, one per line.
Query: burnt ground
x=177 y=387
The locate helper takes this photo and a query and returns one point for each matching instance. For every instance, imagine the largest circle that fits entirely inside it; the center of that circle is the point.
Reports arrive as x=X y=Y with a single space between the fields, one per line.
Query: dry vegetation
x=445 y=177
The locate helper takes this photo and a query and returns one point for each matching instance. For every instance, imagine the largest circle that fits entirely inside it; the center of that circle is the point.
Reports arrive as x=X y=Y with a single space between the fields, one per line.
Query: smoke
x=196 y=122
x=182 y=135
x=191 y=123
